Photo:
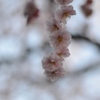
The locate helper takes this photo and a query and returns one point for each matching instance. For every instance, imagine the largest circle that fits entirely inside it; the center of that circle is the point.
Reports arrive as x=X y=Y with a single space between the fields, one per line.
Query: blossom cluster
x=59 y=39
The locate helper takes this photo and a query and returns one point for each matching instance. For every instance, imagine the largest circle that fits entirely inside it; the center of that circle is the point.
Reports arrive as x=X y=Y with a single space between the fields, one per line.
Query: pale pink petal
x=53 y=25
x=63 y=52
x=68 y=9
x=63 y=2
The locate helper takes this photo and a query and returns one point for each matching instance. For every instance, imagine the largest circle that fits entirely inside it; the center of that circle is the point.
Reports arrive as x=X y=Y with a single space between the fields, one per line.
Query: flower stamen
x=60 y=39
x=55 y=27
x=65 y=15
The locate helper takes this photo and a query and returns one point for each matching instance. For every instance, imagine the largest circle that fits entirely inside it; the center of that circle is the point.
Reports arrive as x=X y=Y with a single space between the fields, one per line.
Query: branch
x=79 y=37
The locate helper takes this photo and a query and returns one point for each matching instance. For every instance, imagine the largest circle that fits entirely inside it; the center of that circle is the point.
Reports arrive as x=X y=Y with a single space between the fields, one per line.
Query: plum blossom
x=54 y=75
x=51 y=62
x=60 y=38
x=31 y=12
x=63 y=52
x=65 y=12
x=63 y=2
x=53 y=25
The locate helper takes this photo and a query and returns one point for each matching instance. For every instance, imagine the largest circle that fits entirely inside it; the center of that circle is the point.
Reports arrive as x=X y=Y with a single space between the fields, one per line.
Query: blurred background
x=24 y=42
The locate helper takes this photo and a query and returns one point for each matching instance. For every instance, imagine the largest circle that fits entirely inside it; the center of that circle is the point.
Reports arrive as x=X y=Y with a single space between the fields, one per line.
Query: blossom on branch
x=51 y=62
x=60 y=38
x=65 y=12
x=54 y=75
x=31 y=11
